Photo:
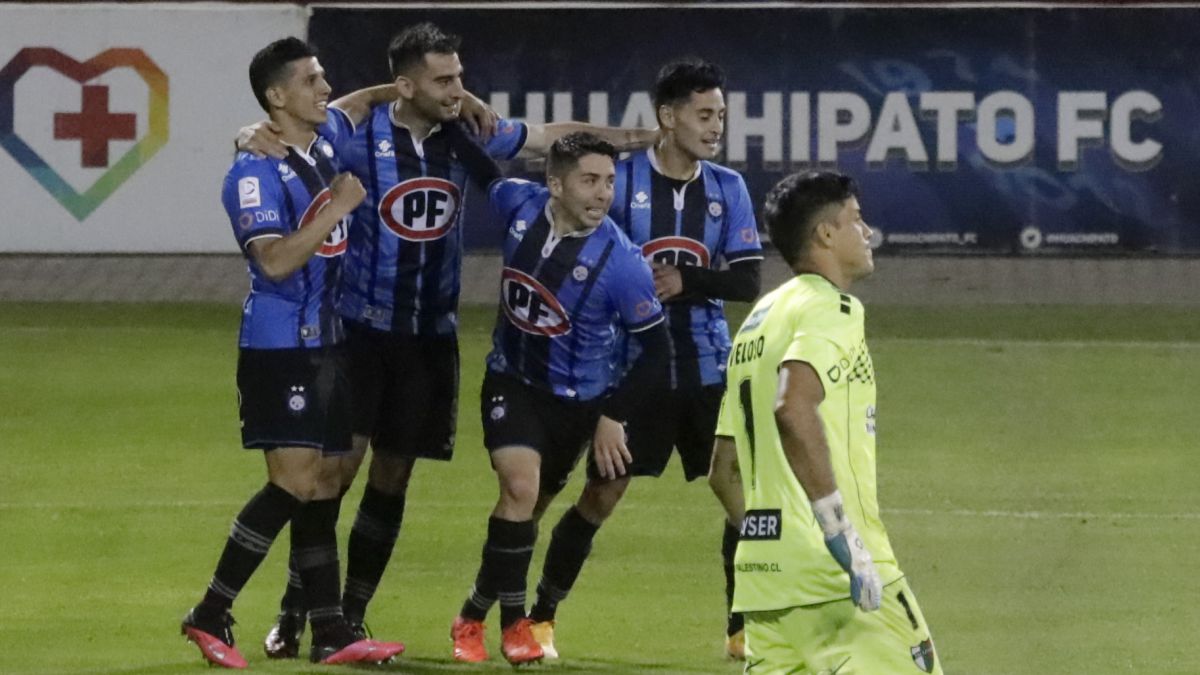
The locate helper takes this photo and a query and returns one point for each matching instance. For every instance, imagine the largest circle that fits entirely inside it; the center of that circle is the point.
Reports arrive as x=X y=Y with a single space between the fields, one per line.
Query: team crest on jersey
x=923 y=655
x=421 y=209
x=715 y=210
x=335 y=244
x=580 y=273
x=530 y=306
x=245 y=220
x=677 y=251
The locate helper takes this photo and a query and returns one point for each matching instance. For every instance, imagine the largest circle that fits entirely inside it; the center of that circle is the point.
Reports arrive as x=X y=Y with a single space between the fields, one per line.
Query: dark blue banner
x=971 y=131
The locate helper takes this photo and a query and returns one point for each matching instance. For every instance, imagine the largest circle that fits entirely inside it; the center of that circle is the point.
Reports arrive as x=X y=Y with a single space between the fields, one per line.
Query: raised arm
x=542 y=136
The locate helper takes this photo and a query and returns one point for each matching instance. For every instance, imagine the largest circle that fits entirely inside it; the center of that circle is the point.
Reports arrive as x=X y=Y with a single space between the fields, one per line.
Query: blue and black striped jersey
x=271 y=198
x=562 y=299
x=700 y=221
x=404 y=263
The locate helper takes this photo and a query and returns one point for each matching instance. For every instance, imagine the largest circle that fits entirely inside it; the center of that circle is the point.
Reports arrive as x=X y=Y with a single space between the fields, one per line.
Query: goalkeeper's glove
x=848 y=550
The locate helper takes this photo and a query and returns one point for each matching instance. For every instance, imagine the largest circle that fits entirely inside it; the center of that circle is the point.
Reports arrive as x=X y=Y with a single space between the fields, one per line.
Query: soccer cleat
x=518 y=645
x=468 y=640
x=735 y=645
x=214 y=637
x=359 y=651
x=283 y=641
x=543 y=632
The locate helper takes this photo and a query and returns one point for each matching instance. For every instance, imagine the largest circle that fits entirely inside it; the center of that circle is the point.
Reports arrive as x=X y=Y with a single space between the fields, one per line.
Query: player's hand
x=347 y=192
x=608 y=446
x=668 y=282
x=848 y=549
x=262 y=140
x=479 y=117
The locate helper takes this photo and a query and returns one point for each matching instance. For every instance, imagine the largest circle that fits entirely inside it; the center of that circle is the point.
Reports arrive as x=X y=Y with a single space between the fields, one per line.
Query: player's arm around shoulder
x=541 y=136
x=358 y=104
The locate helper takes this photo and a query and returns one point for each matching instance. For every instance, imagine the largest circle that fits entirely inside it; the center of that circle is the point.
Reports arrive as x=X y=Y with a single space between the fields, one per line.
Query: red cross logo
x=94 y=126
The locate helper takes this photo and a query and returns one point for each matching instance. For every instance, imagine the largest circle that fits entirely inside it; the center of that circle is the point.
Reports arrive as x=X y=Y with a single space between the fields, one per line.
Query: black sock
x=293 y=596
x=372 y=539
x=729 y=542
x=251 y=536
x=314 y=550
x=570 y=545
x=505 y=564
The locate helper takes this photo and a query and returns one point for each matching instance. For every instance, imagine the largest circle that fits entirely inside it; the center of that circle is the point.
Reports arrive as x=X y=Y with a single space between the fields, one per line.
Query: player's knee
x=600 y=499
x=390 y=475
x=519 y=490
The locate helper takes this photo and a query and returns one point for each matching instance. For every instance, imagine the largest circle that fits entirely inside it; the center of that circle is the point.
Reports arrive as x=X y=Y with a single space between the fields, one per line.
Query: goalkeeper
x=815 y=573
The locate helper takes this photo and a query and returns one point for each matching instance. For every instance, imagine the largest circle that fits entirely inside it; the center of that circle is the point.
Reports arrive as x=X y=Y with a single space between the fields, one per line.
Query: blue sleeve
x=506 y=196
x=741 y=235
x=508 y=140
x=631 y=288
x=253 y=201
x=337 y=129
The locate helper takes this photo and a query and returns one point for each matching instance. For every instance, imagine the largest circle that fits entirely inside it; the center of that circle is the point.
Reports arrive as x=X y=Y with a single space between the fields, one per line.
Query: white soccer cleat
x=543 y=632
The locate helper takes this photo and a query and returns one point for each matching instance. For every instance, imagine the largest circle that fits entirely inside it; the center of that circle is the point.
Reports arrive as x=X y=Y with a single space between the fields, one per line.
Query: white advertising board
x=117 y=122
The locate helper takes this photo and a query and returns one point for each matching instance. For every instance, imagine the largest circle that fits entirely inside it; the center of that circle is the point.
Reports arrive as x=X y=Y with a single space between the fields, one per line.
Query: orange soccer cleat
x=468 y=640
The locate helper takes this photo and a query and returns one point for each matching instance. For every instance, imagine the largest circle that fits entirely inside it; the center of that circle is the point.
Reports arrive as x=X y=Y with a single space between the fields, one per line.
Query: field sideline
x=1037 y=473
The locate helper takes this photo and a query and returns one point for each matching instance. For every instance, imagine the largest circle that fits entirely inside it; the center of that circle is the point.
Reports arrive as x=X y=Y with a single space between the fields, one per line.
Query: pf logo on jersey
x=335 y=244
x=530 y=306
x=420 y=209
x=677 y=251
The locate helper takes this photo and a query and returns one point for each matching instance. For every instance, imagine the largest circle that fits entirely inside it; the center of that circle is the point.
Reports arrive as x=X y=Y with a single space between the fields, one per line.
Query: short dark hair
x=793 y=204
x=410 y=46
x=678 y=80
x=566 y=152
x=270 y=65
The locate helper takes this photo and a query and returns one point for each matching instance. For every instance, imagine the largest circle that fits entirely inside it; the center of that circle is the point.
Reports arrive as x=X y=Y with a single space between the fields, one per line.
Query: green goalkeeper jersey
x=781 y=558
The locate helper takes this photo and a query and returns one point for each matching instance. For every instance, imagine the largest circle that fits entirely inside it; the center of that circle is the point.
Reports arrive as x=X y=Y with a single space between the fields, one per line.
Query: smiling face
x=303 y=93
x=434 y=87
x=696 y=125
x=586 y=191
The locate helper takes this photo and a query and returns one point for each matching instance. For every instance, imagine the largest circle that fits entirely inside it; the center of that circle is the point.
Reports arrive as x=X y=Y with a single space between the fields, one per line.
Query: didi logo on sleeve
x=92 y=120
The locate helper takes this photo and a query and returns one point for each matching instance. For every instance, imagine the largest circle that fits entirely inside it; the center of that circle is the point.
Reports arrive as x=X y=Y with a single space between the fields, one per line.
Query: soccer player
x=688 y=215
x=816 y=577
x=289 y=219
x=571 y=278
x=399 y=294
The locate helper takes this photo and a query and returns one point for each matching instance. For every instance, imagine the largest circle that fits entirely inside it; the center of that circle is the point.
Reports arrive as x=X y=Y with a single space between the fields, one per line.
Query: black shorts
x=684 y=419
x=294 y=398
x=559 y=429
x=405 y=391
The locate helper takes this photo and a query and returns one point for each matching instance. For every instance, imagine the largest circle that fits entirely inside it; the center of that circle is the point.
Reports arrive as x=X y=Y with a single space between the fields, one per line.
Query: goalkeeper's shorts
x=837 y=637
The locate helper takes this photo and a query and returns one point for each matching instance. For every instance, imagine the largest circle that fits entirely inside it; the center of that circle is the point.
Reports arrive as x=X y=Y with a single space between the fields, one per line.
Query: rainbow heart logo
x=93 y=125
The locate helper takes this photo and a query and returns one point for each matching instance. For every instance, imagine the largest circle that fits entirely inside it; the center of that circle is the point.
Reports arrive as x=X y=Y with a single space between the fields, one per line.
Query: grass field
x=1038 y=472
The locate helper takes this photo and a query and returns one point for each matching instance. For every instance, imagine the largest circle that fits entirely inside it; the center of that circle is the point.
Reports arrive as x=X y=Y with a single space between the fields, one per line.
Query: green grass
x=1037 y=471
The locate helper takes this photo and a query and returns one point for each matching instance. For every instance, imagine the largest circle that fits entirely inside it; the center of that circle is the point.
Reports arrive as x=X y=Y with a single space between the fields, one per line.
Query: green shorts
x=837 y=637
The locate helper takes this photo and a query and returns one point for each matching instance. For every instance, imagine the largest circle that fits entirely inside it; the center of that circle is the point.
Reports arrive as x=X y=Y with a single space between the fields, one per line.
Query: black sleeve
x=741 y=282
x=479 y=164
x=647 y=374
